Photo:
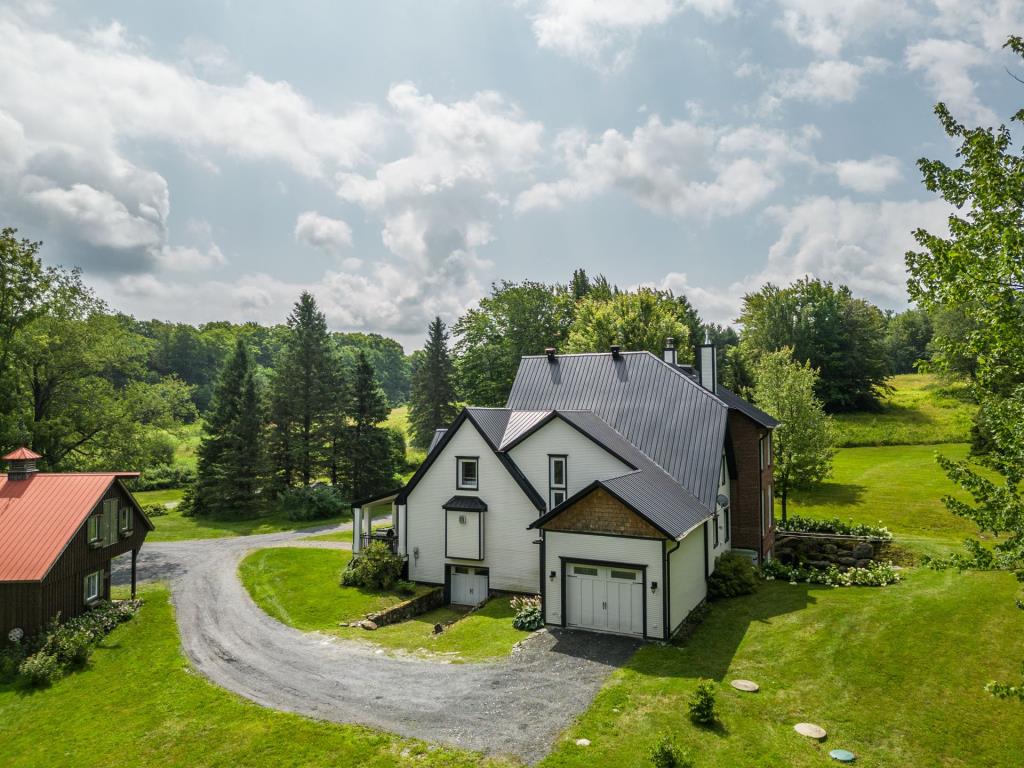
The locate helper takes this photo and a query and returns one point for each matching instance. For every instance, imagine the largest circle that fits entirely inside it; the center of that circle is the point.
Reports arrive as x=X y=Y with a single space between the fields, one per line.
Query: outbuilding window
x=558 y=480
x=467 y=477
x=124 y=520
x=93 y=585
x=93 y=529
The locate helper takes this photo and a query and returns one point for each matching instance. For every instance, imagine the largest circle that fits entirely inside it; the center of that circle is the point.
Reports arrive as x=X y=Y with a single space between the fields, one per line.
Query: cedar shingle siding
x=600 y=512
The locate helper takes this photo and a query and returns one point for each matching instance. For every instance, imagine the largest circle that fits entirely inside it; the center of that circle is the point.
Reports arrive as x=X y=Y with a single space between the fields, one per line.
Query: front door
x=604 y=598
x=469 y=585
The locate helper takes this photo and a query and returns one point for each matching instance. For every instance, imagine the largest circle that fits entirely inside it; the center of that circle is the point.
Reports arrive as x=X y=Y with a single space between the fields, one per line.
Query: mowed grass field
x=301 y=587
x=139 y=704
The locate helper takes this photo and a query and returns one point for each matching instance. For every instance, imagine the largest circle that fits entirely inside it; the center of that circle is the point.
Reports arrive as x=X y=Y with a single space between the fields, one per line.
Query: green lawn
x=900 y=486
x=138 y=705
x=300 y=587
x=896 y=675
x=176 y=527
x=399 y=419
x=164 y=496
x=921 y=410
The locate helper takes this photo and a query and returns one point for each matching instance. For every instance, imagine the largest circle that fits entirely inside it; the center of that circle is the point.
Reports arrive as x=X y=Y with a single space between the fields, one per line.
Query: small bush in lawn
x=315 y=502
x=154 y=510
x=665 y=754
x=702 y=703
x=11 y=658
x=734 y=575
x=529 y=614
x=376 y=567
x=40 y=669
x=405 y=588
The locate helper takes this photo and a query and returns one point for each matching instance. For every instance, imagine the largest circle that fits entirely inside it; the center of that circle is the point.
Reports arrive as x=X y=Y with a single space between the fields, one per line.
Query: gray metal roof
x=438 y=434
x=492 y=422
x=667 y=416
x=750 y=410
x=465 y=504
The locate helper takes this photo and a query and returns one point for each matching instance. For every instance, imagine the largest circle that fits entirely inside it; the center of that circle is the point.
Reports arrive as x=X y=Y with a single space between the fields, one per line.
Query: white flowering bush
x=797 y=524
x=529 y=614
x=872 y=575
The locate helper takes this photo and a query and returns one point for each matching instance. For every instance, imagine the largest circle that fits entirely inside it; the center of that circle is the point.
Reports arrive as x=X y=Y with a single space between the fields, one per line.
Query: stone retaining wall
x=410 y=608
x=823 y=549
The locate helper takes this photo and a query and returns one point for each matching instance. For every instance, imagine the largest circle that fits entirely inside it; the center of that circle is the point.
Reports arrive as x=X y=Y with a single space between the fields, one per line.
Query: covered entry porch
x=365 y=510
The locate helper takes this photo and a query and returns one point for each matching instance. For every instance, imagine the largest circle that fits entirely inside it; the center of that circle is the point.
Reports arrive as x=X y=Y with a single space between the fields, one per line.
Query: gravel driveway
x=517 y=706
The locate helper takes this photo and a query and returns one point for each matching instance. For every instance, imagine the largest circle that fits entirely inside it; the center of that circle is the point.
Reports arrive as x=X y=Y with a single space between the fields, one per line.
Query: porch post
x=135 y=557
x=357 y=529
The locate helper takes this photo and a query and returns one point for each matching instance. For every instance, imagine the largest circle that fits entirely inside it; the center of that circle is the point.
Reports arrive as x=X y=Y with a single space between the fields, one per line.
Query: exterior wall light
x=552 y=576
x=654 y=586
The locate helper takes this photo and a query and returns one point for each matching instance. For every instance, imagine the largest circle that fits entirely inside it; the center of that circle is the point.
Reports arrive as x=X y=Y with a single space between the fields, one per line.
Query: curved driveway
x=515 y=706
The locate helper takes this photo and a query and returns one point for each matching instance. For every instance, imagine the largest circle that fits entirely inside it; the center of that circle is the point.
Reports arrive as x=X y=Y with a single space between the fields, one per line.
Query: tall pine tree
x=432 y=401
x=371 y=456
x=304 y=394
x=230 y=462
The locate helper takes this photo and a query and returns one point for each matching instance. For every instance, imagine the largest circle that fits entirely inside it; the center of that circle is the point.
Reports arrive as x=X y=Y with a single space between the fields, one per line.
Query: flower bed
x=871 y=575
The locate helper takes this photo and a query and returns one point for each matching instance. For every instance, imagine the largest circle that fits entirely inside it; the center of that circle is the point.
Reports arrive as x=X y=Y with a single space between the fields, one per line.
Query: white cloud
x=680 y=169
x=603 y=33
x=869 y=176
x=188 y=259
x=826 y=26
x=988 y=21
x=322 y=232
x=823 y=82
x=946 y=66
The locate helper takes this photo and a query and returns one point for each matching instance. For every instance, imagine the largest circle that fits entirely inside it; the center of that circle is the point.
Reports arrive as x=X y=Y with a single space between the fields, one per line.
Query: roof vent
x=550 y=352
x=21 y=464
x=616 y=351
x=669 y=353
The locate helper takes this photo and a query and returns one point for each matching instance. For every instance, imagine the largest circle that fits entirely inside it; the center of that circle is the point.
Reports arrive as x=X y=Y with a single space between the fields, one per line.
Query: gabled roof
x=21 y=454
x=40 y=515
x=490 y=423
x=749 y=410
x=670 y=418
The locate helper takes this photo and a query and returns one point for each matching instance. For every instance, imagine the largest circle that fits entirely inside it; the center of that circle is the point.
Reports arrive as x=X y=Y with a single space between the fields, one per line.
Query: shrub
x=314 y=502
x=873 y=575
x=797 y=524
x=529 y=614
x=72 y=648
x=154 y=510
x=665 y=754
x=406 y=588
x=734 y=575
x=376 y=567
x=11 y=658
x=40 y=669
x=164 y=476
x=702 y=703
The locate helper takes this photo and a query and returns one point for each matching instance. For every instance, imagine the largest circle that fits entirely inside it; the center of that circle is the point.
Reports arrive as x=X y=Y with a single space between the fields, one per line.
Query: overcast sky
x=209 y=160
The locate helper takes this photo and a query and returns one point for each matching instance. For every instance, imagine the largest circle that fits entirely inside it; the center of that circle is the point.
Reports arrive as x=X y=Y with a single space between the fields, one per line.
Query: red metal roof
x=38 y=517
x=21 y=454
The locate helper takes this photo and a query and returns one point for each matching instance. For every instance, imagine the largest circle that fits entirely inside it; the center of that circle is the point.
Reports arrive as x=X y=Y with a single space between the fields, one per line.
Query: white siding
x=611 y=549
x=509 y=551
x=686 y=575
x=464 y=534
x=715 y=552
x=587 y=461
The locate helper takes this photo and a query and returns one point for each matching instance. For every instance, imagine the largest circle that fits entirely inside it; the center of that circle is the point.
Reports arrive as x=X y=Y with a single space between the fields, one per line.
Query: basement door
x=604 y=598
x=469 y=585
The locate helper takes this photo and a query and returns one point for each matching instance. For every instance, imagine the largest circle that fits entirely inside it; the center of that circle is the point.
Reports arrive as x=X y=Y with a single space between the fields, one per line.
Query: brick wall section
x=747 y=486
x=600 y=512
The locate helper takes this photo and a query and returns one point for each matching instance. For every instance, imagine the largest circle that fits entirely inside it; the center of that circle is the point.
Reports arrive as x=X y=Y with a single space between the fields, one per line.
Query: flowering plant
x=873 y=575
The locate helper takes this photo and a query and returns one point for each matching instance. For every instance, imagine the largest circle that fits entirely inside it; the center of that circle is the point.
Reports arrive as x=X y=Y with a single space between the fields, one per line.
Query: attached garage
x=605 y=597
x=468 y=585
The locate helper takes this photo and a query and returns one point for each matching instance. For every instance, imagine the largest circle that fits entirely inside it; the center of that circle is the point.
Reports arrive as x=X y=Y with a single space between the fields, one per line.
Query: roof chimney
x=707 y=359
x=669 y=353
x=616 y=349
x=550 y=352
x=21 y=464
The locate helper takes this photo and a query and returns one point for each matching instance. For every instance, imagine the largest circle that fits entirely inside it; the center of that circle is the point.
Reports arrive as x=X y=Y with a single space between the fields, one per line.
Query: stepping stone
x=582 y=742
x=842 y=755
x=748 y=686
x=810 y=730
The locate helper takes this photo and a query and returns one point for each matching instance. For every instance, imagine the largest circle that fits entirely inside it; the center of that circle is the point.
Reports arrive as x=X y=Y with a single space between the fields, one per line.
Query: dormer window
x=558 y=480
x=467 y=476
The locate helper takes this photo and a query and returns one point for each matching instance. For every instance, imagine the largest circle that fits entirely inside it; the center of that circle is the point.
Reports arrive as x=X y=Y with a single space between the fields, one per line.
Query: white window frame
x=461 y=483
x=93 y=595
x=557 y=492
x=124 y=519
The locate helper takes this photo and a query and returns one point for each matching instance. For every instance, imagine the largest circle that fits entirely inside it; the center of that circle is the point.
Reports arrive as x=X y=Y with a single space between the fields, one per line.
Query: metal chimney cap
x=670 y=343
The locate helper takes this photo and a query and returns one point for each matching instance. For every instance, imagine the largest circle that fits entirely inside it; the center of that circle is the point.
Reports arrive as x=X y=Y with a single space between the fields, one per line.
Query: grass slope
x=300 y=587
x=139 y=704
x=176 y=527
x=893 y=674
x=920 y=410
x=900 y=486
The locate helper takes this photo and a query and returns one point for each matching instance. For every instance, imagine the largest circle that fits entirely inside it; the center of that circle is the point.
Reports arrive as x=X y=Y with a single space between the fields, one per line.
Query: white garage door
x=469 y=585
x=605 y=598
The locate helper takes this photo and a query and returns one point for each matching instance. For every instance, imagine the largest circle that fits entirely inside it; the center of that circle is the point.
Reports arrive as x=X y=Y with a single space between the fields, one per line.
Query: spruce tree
x=304 y=394
x=432 y=401
x=230 y=462
x=371 y=458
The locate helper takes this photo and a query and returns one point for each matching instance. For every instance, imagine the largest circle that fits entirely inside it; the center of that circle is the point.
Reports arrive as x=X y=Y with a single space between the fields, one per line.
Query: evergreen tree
x=580 y=285
x=304 y=395
x=371 y=457
x=230 y=461
x=432 y=402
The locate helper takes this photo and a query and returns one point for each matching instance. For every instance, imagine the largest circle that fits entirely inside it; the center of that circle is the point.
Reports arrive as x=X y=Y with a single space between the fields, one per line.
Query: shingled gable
x=488 y=422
